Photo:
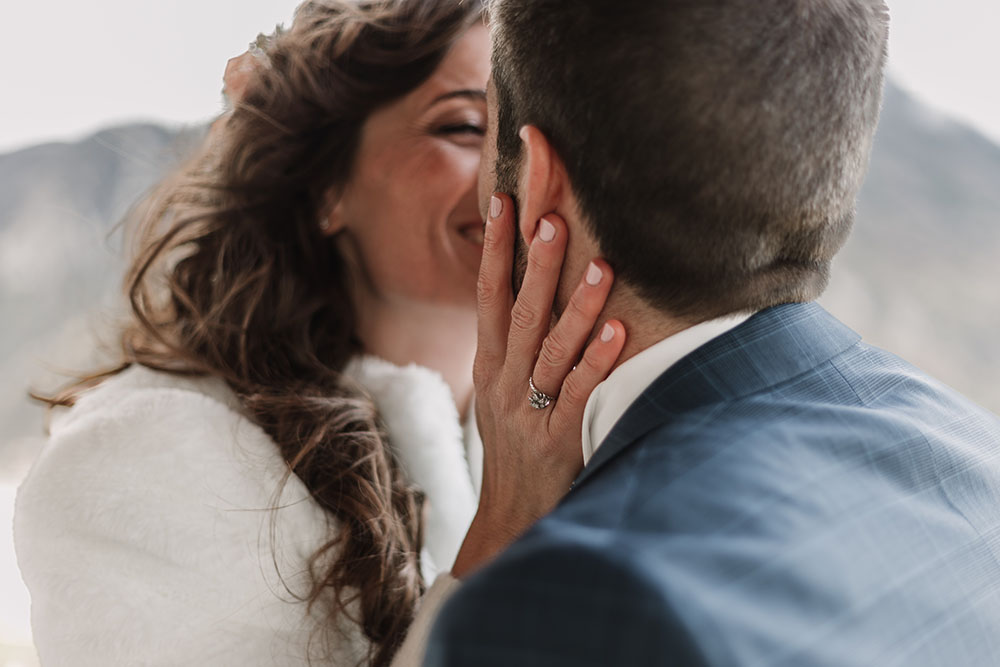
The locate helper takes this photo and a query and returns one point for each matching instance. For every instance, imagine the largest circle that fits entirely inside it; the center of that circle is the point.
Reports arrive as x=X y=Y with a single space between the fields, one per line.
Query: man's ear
x=543 y=181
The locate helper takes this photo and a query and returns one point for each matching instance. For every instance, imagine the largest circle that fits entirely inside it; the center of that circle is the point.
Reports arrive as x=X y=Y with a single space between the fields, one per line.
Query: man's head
x=714 y=149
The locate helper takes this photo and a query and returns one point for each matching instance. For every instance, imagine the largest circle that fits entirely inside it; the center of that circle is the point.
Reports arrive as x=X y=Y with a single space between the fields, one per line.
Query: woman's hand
x=531 y=455
x=239 y=72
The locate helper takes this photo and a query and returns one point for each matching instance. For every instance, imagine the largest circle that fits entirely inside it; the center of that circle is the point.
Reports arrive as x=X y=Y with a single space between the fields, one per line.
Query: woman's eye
x=462 y=128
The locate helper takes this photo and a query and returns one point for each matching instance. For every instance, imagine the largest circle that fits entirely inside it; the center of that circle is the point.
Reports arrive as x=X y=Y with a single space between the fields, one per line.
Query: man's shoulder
x=833 y=499
x=864 y=410
x=562 y=596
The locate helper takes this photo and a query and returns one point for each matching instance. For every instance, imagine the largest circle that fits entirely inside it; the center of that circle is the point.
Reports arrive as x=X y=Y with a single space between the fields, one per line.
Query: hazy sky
x=68 y=67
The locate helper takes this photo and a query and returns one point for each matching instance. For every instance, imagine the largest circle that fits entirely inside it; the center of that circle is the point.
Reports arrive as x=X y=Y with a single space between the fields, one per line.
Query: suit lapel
x=771 y=347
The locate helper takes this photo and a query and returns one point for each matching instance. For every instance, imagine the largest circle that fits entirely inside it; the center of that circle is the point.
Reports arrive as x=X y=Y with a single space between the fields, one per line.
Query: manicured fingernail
x=607 y=333
x=496 y=207
x=546 y=230
x=594 y=275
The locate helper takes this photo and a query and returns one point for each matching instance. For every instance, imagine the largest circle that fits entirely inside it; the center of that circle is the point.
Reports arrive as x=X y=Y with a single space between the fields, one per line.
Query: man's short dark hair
x=716 y=147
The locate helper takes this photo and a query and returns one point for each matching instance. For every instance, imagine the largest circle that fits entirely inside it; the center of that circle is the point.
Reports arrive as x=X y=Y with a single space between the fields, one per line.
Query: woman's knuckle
x=508 y=391
x=487 y=294
x=523 y=316
x=553 y=353
x=591 y=365
x=557 y=427
x=538 y=262
x=482 y=369
x=574 y=389
x=578 y=311
x=549 y=450
x=493 y=241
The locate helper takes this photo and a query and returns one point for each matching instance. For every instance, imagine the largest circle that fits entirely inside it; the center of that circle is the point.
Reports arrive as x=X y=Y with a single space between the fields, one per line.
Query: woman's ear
x=542 y=182
x=331 y=219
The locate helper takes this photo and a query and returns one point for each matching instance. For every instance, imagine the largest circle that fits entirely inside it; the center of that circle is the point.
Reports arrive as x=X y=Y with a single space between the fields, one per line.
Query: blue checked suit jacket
x=785 y=495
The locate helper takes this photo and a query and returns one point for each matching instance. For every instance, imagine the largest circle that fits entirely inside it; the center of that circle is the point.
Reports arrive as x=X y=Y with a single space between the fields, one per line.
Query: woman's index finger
x=494 y=293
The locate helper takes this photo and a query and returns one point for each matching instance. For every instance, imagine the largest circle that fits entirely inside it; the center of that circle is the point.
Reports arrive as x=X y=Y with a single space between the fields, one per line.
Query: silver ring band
x=539 y=400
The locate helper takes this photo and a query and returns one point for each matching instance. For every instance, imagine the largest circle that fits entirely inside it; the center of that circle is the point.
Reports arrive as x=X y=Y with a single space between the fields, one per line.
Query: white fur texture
x=144 y=530
x=427 y=437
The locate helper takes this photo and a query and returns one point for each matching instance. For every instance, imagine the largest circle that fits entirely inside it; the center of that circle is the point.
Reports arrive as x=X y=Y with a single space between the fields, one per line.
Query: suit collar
x=612 y=398
x=771 y=347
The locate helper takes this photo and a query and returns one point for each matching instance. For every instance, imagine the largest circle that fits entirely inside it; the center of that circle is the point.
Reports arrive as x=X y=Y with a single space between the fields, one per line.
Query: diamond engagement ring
x=539 y=400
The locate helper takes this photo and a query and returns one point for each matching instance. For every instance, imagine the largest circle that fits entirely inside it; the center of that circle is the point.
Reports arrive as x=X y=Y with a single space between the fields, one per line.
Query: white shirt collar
x=626 y=383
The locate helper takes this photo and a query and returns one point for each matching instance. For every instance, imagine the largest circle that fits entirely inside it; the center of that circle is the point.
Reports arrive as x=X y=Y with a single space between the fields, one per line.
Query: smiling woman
x=409 y=217
x=288 y=279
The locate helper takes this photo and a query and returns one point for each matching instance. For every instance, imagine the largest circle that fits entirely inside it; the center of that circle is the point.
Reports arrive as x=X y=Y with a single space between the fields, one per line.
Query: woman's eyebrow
x=473 y=94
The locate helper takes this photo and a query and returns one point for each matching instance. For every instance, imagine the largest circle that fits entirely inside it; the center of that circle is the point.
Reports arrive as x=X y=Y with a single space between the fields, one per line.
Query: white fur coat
x=144 y=531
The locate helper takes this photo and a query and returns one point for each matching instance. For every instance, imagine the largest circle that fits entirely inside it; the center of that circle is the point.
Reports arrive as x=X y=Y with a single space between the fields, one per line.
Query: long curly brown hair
x=233 y=279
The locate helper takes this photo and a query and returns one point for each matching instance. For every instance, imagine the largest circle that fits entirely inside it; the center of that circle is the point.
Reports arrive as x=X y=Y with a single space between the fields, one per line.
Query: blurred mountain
x=920 y=273
x=918 y=276
x=60 y=263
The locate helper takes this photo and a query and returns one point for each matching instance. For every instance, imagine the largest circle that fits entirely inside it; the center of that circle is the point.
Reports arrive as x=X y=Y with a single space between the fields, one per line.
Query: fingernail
x=594 y=275
x=607 y=333
x=546 y=230
x=496 y=207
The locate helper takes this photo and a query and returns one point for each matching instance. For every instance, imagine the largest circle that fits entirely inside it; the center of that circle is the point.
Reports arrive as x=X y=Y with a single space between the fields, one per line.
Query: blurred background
x=99 y=99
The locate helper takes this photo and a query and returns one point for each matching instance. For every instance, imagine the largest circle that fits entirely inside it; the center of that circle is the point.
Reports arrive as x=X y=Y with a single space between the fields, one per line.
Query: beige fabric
x=411 y=653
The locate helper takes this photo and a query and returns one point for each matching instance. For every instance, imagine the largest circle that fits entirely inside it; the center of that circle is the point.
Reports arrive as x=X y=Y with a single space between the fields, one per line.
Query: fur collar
x=439 y=453
x=433 y=448
x=146 y=519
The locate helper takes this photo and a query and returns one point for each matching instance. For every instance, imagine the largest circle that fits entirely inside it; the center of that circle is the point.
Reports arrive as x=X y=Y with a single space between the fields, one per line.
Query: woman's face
x=409 y=213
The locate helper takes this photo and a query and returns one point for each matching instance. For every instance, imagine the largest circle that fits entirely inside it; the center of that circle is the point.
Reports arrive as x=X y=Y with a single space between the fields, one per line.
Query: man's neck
x=645 y=326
